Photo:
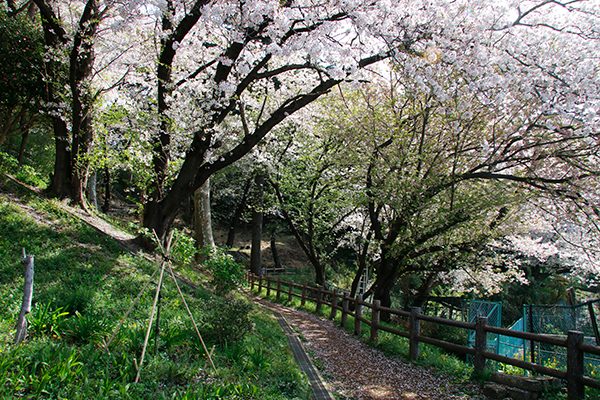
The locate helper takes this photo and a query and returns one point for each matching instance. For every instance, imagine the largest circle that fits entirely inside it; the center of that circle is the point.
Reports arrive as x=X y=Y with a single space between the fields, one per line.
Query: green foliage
x=23 y=173
x=21 y=60
x=227 y=320
x=45 y=321
x=259 y=358
x=83 y=329
x=183 y=250
x=446 y=333
x=226 y=273
x=8 y=164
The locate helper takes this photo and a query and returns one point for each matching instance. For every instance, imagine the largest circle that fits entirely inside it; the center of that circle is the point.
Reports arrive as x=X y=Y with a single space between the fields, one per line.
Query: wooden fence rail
x=574 y=342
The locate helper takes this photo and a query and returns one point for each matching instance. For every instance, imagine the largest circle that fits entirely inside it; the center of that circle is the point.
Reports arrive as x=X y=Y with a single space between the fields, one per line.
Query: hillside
x=85 y=281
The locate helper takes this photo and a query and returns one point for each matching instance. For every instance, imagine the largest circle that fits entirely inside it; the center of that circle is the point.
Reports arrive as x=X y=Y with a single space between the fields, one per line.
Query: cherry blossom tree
x=262 y=58
x=449 y=150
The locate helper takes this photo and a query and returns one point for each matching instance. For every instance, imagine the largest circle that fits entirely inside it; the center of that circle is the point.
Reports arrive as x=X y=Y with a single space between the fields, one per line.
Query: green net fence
x=557 y=321
x=493 y=311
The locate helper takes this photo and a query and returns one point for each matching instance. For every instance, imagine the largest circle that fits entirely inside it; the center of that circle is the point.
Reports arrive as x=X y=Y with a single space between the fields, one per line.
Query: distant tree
x=315 y=196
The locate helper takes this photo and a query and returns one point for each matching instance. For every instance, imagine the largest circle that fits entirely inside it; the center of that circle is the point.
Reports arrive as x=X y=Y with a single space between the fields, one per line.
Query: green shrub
x=226 y=273
x=8 y=164
x=23 y=173
x=227 y=320
x=184 y=247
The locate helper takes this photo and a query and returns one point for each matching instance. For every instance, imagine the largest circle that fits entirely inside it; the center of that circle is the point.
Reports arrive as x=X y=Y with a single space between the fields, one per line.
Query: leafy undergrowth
x=84 y=285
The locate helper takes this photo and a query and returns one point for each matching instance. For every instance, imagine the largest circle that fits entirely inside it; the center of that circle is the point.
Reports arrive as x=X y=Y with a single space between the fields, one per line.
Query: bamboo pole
x=160 y=278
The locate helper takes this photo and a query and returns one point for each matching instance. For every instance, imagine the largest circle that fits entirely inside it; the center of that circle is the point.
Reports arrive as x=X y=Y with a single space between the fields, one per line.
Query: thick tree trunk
x=80 y=73
x=60 y=180
x=385 y=281
x=235 y=220
x=257 y=222
x=60 y=185
x=425 y=289
x=202 y=220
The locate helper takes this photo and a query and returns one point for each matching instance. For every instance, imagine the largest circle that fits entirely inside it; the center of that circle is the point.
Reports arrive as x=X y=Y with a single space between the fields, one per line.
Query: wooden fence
x=574 y=342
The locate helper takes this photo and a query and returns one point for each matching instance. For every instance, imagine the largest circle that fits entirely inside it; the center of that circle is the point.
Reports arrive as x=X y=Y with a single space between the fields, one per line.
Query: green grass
x=84 y=284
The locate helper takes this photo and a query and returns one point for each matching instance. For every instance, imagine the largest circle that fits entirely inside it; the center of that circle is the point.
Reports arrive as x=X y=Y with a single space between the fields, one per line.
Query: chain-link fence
x=493 y=311
x=557 y=321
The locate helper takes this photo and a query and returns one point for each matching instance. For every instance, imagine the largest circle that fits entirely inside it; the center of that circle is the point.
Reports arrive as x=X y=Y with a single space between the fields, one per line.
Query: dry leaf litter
x=354 y=370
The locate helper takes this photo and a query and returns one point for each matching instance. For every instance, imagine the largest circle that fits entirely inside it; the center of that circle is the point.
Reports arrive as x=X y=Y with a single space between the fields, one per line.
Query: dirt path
x=357 y=371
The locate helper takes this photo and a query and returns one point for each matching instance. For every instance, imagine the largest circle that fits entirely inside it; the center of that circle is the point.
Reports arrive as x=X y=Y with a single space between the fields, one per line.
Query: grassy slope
x=95 y=280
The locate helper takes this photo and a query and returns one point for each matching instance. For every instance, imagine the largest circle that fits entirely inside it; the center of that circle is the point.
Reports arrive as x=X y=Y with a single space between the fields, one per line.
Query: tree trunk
x=92 y=193
x=202 y=220
x=425 y=289
x=384 y=282
x=60 y=180
x=80 y=73
x=235 y=220
x=60 y=185
x=274 y=251
x=107 y=194
x=257 y=222
x=22 y=148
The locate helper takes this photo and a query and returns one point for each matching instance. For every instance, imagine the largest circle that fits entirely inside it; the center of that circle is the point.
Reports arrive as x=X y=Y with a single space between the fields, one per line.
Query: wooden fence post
x=319 y=299
x=375 y=321
x=303 y=299
x=345 y=307
x=334 y=300
x=414 y=329
x=575 y=387
x=278 y=289
x=268 y=286
x=260 y=284
x=21 y=333
x=251 y=277
x=480 y=345
x=358 y=315
x=291 y=292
